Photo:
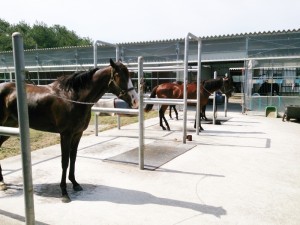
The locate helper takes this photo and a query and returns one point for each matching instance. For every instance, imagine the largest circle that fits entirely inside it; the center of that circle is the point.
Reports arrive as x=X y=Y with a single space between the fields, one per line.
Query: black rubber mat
x=156 y=154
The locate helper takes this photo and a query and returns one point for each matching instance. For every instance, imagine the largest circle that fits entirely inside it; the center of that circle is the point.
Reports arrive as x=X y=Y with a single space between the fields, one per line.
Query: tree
x=5 y=40
x=39 y=35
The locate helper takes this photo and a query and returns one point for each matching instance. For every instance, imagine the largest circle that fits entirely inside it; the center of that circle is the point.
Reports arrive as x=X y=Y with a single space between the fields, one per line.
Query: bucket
x=271 y=111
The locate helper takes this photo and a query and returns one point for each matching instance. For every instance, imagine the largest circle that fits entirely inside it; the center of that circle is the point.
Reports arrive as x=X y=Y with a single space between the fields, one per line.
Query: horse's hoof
x=77 y=188
x=3 y=186
x=65 y=198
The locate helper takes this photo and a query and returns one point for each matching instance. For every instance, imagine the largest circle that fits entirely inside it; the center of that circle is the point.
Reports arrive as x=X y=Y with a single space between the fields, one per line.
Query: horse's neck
x=216 y=85
x=90 y=94
x=99 y=86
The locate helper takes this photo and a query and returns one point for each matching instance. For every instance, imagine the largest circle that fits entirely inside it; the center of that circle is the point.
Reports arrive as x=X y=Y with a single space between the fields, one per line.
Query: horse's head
x=228 y=87
x=121 y=85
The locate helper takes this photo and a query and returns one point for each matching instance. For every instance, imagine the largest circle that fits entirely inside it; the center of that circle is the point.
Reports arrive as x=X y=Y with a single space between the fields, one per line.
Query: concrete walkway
x=245 y=171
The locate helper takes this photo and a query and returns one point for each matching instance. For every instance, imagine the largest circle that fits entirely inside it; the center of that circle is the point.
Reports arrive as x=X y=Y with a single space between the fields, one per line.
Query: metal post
x=119 y=121
x=18 y=53
x=186 y=62
x=96 y=43
x=117 y=53
x=95 y=54
x=225 y=106
x=198 y=87
x=245 y=75
x=141 y=111
x=185 y=75
x=214 y=101
x=96 y=124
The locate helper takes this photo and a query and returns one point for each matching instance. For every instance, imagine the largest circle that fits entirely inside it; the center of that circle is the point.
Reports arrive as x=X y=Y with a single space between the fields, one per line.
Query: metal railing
x=23 y=130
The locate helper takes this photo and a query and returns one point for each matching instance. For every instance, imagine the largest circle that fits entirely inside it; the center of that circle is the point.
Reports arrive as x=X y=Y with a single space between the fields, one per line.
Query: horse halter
x=116 y=86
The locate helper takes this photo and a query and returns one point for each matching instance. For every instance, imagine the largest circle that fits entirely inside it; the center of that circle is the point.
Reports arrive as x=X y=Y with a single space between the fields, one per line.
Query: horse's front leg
x=200 y=127
x=73 y=154
x=65 y=141
x=3 y=186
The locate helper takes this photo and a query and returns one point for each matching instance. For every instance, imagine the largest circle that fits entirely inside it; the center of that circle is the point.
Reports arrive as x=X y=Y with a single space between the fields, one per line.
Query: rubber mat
x=156 y=154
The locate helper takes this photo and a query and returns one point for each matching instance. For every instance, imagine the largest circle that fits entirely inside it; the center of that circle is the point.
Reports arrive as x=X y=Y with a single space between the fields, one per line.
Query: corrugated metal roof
x=213 y=37
x=222 y=36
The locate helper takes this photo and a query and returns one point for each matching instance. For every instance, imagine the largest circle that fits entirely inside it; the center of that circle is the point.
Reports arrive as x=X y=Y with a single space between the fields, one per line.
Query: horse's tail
x=153 y=94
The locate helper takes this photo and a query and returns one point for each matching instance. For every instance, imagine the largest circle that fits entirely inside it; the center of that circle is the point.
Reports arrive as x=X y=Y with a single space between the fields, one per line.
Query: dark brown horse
x=175 y=91
x=64 y=107
x=268 y=89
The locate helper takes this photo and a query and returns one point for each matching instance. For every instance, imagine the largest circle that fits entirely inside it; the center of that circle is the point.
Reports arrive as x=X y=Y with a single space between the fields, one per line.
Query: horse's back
x=6 y=88
x=169 y=90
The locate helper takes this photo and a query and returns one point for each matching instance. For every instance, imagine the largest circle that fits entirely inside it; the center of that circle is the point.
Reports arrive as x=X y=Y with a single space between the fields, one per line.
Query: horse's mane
x=76 y=80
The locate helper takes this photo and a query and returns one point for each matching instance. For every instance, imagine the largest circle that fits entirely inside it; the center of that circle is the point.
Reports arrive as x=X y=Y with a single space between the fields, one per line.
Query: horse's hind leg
x=65 y=142
x=175 y=110
x=160 y=121
x=162 y=111
x=73 y=154
x=170 y=111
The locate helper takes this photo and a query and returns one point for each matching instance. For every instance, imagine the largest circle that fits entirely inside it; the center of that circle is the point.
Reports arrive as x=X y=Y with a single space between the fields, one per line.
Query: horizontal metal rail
x=9 y=131
x=115 y=110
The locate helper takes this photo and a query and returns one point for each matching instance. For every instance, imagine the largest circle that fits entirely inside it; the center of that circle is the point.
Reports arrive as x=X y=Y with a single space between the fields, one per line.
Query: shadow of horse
x=124 y=196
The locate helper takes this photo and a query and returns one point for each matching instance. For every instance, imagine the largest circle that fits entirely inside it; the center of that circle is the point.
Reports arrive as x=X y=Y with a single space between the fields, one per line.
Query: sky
x=122 y=21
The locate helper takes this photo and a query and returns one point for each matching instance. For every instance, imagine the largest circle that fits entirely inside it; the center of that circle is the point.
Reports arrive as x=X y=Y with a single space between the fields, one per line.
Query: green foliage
x=39 y=35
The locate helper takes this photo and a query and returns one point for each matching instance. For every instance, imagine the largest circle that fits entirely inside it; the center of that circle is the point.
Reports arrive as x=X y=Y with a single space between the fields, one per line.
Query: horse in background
x=64 y=107
x=171 y=90
x=174 y=106
x=268 y=88
x=227 y=89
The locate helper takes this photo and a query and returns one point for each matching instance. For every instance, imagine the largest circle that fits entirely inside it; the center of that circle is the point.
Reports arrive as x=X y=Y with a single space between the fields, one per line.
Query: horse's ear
x=112 y=63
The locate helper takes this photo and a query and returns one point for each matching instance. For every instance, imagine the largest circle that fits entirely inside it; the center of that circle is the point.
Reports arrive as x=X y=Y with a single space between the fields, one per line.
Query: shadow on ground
x=123 y=196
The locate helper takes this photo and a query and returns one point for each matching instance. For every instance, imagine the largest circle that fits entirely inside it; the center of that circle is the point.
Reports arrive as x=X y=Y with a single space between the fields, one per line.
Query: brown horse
x=64 y=107
x=227 y=89
x=175 y=91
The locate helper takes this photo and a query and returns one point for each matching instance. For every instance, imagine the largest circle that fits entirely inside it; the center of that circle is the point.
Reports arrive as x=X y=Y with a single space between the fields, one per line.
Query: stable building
x=252 y=60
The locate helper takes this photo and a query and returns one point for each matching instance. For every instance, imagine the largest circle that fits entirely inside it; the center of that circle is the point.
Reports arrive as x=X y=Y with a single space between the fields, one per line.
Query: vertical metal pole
x=198 y=87
x=245 y=77
x=117 y=53
x=225 y=106
x=18 y=53
x=141 y=111
x=185 y=75
x=96 y=123
x=119 y=121
x=95 y=53
x=214 y=101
